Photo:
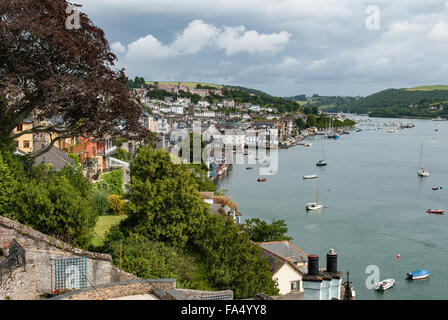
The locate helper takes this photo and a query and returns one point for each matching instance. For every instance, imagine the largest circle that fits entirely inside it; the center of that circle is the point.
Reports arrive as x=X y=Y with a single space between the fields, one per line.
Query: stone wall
x=187 y=294
x=119 y=289
x=41 y=252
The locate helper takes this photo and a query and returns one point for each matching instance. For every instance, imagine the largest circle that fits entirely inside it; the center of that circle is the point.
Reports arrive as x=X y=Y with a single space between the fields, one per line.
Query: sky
x=283 y=47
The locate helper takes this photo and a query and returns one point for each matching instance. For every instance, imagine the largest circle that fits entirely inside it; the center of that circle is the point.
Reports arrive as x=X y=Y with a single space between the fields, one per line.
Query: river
x=375 y=204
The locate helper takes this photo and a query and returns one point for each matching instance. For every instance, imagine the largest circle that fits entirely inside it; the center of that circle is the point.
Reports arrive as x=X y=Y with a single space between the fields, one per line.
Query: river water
x=375 y=204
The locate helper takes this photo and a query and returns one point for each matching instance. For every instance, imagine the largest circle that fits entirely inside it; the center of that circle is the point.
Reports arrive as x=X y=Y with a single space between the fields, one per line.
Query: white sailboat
x=315 y=205
x=323 y=162
x=422 y=172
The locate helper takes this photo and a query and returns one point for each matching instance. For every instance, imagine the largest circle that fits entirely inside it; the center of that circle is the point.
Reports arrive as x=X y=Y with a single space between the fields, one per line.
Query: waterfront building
x=288 y=265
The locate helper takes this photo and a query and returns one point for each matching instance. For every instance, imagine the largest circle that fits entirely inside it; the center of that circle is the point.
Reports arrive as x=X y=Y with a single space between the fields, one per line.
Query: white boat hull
x=310 y=177
x=420 y=277
x=423 y=173
x=314 y=206
x=385 y=284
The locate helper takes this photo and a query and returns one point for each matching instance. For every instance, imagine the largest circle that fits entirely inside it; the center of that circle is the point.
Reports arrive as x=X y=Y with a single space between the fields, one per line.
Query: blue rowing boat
x=419 y=274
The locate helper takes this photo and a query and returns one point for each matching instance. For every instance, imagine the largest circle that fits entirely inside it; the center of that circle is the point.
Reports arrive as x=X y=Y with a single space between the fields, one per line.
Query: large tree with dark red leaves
x=62 y=78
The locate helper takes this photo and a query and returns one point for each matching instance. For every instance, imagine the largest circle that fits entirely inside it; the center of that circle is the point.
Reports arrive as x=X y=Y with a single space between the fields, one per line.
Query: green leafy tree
x=9 y=187
x=114 y=180
x=100 y=200
x=153 y=260
x=261 y=231
x=56 y=207
x=300 y=123
x=232 y=261
x=311 y=121
x=122 y=154
x=163 y=202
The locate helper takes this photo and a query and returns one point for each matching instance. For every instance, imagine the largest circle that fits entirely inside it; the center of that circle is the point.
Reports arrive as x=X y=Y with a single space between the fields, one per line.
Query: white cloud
x=147 y=48
x=401 y=30
x=439 y=32
x=117 y=47
x=236 y=39
x=380 y=61
x=325 y=47
x=198 y=36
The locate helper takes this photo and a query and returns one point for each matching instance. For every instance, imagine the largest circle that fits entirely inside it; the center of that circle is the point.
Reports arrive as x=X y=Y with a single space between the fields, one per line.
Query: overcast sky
x=283 y=47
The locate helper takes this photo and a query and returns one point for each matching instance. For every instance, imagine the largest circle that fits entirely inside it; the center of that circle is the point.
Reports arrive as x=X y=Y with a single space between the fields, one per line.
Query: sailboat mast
x=317 y=194
x=420 y=161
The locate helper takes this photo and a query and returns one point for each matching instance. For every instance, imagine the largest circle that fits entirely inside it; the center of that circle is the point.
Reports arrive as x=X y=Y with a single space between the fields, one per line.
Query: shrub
x=75 y=158
x=122 y=154
x=100 y=201
x=114 y=180
x=116 y=205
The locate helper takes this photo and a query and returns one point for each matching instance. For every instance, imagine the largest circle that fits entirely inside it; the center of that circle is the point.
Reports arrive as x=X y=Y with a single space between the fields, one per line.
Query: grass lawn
x=105 y=223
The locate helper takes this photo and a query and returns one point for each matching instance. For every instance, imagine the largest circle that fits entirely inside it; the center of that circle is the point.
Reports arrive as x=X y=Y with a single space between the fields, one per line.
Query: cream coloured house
x=25 y=142
x=288 y=265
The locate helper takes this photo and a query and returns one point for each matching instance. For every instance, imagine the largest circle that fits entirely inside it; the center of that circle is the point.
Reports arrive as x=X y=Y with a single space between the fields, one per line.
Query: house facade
x=288 y=265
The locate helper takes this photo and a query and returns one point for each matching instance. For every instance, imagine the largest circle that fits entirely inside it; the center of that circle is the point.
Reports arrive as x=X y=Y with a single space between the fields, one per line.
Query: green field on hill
x=429 y=88
x=186 y=84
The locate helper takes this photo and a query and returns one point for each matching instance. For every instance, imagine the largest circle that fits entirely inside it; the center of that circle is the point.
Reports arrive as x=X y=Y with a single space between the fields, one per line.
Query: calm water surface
x=375 y=204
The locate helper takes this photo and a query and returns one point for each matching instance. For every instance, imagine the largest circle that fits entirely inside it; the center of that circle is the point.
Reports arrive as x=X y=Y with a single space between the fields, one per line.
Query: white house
x=177 y=109
x=229 y=104
x=203 y=103
x=288 y=265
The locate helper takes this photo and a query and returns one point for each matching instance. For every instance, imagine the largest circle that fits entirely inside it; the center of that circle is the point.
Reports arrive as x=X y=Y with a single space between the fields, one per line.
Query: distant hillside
x=414 y=102
x=252 y=91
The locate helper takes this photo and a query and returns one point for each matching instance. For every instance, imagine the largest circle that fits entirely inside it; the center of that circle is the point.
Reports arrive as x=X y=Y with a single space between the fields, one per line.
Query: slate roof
x=55 y=156
x=281 y=252
x=214 y=208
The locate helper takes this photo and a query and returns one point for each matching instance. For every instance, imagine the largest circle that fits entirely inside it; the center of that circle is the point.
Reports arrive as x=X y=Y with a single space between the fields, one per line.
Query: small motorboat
x=435 y=188
x=417 y=275
x=435 y=211
x=321 y=163
x=262 y=179
x=385 y=284
x=313 y=176
x=249 y=168
x=307 y=144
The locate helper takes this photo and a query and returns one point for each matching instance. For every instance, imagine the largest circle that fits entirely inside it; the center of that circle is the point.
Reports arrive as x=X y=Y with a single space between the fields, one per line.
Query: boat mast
x=317 y=194
x=420 y=161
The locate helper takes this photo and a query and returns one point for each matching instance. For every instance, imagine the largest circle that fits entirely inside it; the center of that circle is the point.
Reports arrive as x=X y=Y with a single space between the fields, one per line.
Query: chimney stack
x=313 y=265
x=332 y=261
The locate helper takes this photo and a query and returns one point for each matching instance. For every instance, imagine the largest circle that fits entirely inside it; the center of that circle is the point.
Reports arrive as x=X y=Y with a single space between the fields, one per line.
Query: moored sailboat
x=323 y=162
x=315 y=205
x=422 y=172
